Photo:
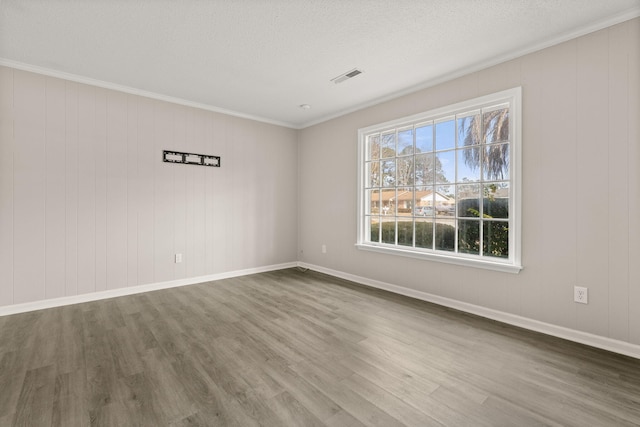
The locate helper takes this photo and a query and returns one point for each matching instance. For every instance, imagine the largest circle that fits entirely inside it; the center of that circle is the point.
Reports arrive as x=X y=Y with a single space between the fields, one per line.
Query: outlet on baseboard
x=324 y=249
x=178 y=258
x=581 y=294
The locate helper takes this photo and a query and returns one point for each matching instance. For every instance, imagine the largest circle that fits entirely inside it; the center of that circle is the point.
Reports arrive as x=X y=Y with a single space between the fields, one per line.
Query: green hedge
x=445 y=234
x=492 y=208
x=495 y=233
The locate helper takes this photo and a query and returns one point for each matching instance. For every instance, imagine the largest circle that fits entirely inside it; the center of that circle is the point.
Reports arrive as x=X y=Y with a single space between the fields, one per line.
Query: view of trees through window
x=441 y=184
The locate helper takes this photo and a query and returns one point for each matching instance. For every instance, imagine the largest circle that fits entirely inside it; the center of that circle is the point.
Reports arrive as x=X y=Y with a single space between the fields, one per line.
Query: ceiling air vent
x=346 y=76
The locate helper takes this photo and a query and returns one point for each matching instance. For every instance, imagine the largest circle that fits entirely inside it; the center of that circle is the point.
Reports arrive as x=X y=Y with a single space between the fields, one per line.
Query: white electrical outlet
x=581 y=295
x=324 y=249
x=178 y=258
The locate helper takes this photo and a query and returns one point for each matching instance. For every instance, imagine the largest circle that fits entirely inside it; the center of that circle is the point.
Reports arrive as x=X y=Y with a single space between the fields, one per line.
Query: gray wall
x=86 y=203
x=581 y=189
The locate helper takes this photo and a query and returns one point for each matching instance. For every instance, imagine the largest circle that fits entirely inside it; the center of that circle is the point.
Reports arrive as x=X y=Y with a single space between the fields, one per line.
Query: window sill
x=504 y=267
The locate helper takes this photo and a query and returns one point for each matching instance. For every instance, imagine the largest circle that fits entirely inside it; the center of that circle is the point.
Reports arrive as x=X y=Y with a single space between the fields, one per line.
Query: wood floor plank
x=210 y=400
x=293 y=348
x=389 y=403
x=366 y=412
x=69 y=405
x=12 y=372
x=413 y=391
x=69 y=348
x=291 y=412
x=136 y=394
x=344 y=419
x=307 y=394
x=35 y=404
x=166 y=387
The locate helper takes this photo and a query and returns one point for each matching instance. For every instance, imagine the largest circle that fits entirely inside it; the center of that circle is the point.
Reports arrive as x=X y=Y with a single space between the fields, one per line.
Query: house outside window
x=444 y=185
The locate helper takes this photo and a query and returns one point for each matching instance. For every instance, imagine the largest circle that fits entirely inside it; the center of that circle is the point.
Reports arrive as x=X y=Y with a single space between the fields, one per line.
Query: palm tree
x=488 y=128
x=488 y=135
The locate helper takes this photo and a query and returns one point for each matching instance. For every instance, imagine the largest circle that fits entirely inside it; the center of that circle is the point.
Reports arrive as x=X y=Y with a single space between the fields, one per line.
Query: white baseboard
x=112 y=293
x=616 y=346
x=621 y=347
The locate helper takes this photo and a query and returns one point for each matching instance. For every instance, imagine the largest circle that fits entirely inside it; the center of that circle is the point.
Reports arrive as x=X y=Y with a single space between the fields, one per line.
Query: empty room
x=320 y=213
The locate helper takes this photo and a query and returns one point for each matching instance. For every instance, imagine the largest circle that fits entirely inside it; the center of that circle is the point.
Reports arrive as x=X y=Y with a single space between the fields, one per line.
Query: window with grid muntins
x=444 y=184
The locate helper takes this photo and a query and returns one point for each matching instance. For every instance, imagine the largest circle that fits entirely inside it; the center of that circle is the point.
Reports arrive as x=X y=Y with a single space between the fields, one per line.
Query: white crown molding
x=579 y=32
x=113 y=293
x=133 y=91
x=604 y=343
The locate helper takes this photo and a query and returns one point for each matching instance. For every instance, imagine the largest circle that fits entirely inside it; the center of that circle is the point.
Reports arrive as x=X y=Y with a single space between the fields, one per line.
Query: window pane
x=405 y=142
x=405 y=171
x=424 y=139
x=445 y=235
x=469 y=236
x=373 y=174
x=496 y=126
x=373 y=148
x=404 y=205
x=424 y=233
x=445 y=200
x=388 y=145
x=424 y=202
x=405 y=231
x=496 y=162
x=469 y=164
x=387 y=198
x=496 y=200
x=388 y=168
x=372 y=203
x=445 y=167
x=495 y=239
x=469 y=200
x=445 y=135
x=469 y=130
x=374 y=229
x=389 y=230
x=424 y=173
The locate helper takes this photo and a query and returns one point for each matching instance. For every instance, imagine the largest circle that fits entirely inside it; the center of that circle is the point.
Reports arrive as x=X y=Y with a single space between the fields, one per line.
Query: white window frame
x=513 y=263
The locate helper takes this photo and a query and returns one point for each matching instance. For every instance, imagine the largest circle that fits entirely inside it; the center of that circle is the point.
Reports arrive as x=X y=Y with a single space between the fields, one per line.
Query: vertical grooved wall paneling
x=558 y=127
x=29 y=187
x=200 y=198
x=591 y=188
x=88 y=205
x=165 y=202
x=181 y=188
x=117 y=190
x=633 y=179
x=56 y=185
x=618 y=184
x=7 y=150
x=100 y=189
x=221 y=239
x=133 y=191
x=71 y=187
x=146 y=183
x=87 y=167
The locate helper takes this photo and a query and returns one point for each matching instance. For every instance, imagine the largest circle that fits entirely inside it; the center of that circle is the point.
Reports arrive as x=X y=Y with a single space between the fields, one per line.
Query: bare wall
x=86 y=203
x=581 y=189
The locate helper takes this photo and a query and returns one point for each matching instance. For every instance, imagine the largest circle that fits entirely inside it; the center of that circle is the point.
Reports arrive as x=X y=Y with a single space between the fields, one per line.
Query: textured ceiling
x=263 y=58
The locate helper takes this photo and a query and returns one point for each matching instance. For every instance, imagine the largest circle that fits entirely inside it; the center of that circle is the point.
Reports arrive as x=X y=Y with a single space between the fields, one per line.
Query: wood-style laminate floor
x=289 y=348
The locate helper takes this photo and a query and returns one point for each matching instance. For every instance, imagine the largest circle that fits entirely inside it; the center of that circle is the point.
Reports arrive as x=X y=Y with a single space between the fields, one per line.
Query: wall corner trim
x=597 y=341
x=113 y=293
